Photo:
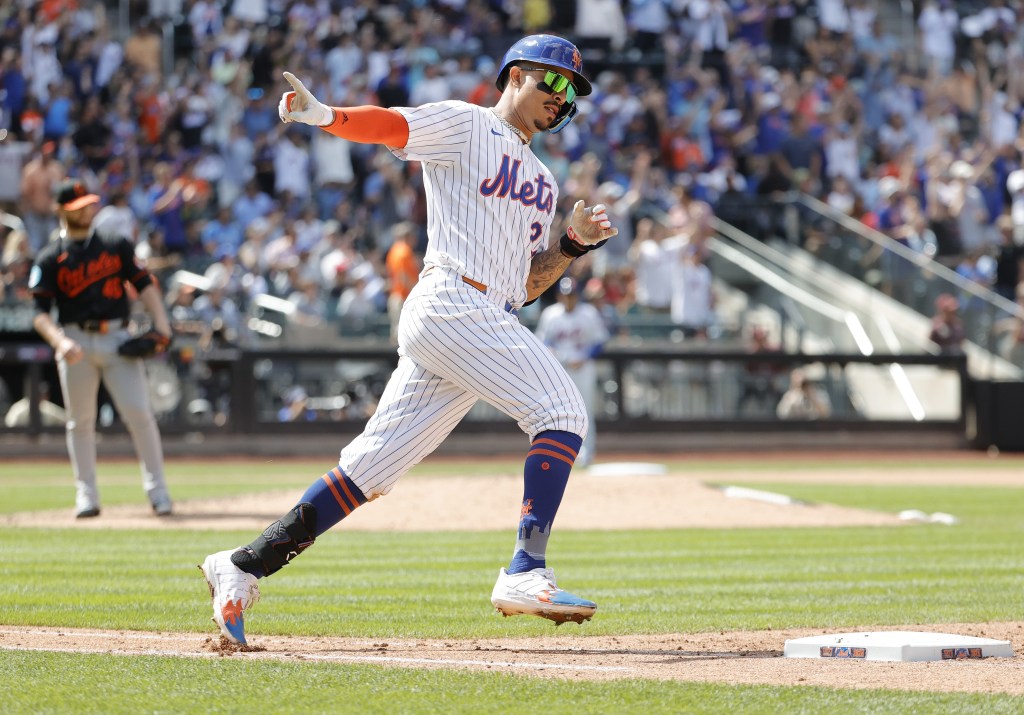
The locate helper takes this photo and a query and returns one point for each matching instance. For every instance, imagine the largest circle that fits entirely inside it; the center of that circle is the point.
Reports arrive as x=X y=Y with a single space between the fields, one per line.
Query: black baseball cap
x=72 y=195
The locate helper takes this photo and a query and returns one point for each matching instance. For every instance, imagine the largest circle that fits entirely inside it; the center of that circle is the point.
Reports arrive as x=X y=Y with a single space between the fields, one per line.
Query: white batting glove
x=301 y=106
x=589 y=228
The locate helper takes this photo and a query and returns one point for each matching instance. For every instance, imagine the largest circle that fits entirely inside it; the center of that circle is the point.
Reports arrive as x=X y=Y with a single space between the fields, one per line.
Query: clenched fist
x=589 y=228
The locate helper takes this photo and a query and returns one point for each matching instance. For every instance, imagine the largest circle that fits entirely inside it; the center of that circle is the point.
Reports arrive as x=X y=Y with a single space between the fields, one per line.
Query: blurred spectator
x=800 y=150
x=223 y=234
x=690 y=217
x=1009 y=260
x=143 y=48
x=310 y=306
x=804 y=400
x=38 y=179
x=168 y=196
x=117 y=218
x=393 y=91
x=239 y=153
x=842 y=152
x=403 y=267
x=693 y=299
x=296 y=407
x=712 y=18
x=360 y=300
x=938 y=22
x=93 y=136
x=432 y=87
x=15 y=85
x=1010 y=332
x=759 y=382
x=842 y=197
x=15 y=262
x=600 y=26
x=947 y=328
x=977 y=267
x=223 y=317
x=252 y=204
x=653 y=267
x=291 y=168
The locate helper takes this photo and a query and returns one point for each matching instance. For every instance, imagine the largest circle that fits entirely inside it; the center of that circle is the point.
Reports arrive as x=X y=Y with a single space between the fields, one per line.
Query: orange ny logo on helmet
x=577 y=61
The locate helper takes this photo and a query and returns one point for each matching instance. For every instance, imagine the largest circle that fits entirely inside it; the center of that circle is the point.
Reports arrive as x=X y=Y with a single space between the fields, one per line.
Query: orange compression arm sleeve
x=370 y=125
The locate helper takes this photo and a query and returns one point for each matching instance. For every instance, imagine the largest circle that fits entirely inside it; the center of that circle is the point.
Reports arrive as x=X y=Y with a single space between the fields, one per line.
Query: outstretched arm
x=365 y=124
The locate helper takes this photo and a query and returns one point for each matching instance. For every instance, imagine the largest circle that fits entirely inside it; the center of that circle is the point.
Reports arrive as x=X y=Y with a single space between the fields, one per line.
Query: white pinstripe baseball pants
x=458 y=345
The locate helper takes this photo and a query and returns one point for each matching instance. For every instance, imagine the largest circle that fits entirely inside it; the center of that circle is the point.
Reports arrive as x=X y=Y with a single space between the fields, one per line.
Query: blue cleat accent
x=535 y=593
x=233 y=592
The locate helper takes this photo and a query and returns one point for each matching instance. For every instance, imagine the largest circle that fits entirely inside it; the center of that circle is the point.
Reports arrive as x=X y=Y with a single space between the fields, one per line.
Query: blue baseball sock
x=326 y=502
x=334 y=496
x=545 y=475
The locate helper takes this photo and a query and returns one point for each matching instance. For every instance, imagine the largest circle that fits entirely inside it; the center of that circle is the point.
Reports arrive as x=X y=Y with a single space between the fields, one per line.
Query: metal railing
x=908 y=277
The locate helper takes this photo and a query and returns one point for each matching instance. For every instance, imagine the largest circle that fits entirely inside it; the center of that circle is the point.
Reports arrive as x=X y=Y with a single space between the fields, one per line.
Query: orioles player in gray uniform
x=84 y=273
x=491 y=205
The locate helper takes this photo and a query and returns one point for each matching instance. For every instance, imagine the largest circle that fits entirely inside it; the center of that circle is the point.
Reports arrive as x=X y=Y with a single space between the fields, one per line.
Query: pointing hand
x=299 y=105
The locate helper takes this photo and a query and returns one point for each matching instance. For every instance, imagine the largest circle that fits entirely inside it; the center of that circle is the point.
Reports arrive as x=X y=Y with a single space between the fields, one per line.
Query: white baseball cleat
x=233 y=591
x=535 y=593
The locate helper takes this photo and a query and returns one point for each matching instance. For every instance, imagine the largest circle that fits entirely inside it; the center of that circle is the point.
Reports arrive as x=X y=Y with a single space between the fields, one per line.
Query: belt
x=482 y=287
x=101 y=326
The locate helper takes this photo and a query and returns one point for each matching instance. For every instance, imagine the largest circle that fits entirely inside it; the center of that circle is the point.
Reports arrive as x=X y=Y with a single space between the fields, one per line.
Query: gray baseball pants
x=125 y=379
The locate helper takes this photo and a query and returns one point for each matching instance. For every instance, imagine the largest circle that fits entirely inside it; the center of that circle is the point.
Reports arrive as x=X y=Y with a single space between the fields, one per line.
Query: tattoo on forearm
x=545 y=270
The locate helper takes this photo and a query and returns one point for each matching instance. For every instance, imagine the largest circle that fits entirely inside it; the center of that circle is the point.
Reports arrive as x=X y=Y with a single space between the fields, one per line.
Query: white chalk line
x=293 y=655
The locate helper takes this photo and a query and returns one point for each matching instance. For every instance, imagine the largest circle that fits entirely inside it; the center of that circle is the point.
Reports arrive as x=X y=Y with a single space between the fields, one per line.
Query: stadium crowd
x=701 y=107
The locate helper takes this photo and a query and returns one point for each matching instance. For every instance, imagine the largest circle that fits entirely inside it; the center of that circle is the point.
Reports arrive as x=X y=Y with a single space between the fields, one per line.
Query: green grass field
x=435 y=585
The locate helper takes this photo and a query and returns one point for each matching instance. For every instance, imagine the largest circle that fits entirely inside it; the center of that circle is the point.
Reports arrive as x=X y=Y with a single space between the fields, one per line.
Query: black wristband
x=569 y=248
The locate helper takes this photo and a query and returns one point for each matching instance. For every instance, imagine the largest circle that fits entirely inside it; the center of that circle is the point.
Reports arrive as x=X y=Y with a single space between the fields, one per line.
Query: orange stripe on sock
x=550 y=453
x=330 y=484
x=545 y=440
x=348 y=492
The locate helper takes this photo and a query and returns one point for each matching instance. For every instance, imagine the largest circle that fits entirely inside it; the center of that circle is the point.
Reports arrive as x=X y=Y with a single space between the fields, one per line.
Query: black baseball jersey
x=86 y=278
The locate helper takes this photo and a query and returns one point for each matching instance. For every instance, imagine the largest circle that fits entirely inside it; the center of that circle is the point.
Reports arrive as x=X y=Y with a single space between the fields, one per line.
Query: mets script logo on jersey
x=73 y=281
x=530 y=193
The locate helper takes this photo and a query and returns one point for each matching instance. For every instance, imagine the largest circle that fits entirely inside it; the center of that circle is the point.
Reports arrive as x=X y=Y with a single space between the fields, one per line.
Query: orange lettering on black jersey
x=113 y=289
x=72 y=281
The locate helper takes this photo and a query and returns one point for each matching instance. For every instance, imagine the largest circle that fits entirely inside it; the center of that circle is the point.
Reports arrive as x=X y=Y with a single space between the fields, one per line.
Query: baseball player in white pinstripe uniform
x=491 y=206
x=576 y=334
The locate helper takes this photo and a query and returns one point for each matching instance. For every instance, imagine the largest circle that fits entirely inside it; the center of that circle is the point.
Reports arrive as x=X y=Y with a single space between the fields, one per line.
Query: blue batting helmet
x=554 y=52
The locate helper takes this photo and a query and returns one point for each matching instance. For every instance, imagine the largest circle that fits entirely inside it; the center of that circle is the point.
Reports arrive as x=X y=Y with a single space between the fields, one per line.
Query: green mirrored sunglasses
x=554 y=82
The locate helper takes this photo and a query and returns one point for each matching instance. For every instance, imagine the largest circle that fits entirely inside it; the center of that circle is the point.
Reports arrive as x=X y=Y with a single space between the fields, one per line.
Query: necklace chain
x=517 y=130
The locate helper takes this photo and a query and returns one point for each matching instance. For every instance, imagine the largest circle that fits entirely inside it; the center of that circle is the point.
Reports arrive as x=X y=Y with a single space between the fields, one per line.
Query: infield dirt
x=737 y=657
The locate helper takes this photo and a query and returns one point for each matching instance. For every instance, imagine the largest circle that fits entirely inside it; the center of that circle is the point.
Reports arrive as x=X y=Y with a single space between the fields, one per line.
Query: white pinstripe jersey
x=491 y=201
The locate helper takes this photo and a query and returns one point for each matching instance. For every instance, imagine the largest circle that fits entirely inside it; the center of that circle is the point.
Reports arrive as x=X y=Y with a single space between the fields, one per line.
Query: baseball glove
x=146 y=345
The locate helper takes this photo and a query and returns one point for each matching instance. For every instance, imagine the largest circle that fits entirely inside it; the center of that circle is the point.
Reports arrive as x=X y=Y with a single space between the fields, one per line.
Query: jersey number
x=112 y=288
x=536 y=231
